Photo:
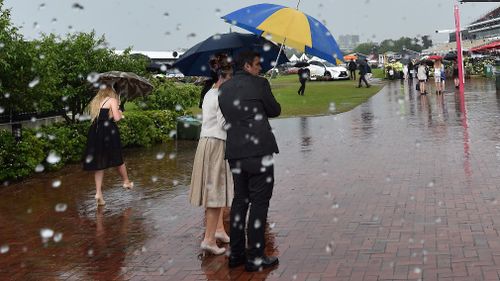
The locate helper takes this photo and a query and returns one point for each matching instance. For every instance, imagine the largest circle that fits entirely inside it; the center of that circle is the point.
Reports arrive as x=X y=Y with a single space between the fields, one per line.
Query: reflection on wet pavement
x=402 y=187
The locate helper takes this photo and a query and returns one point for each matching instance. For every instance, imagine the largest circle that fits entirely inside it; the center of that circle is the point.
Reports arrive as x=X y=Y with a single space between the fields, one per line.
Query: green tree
x=367 y=48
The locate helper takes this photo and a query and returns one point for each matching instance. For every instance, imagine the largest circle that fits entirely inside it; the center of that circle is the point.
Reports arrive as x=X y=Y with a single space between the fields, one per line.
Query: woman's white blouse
x=213 y=121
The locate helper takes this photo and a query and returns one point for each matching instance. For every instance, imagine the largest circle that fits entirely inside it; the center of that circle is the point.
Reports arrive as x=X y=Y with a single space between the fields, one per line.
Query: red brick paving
x=401 y=188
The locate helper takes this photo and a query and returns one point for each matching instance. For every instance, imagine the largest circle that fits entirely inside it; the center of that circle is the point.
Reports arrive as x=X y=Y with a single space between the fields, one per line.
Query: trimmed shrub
x=170 y=95
x=18 y=160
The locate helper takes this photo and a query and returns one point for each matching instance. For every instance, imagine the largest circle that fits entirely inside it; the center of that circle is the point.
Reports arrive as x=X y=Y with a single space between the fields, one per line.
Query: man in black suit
x=246 y=101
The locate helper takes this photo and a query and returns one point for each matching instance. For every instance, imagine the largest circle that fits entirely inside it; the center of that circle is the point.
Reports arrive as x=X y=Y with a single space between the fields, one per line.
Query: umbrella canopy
x=301 y=64
x=194 y=62
x=289 y=27
x=450 y=56
x=491 y=46
x=294 y=58
x=434 y=57
x=127 y=84
x=350 y=57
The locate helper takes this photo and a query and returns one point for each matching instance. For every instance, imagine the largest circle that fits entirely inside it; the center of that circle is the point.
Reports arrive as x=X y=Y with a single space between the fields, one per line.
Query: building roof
x=490 y=15
x=158 y=55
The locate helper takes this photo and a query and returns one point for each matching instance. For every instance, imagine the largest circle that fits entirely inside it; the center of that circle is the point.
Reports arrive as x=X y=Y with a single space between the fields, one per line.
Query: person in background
x=455 y=75
x=411 y=69
x=422 y=77
x=443 y=77
x=405 y=72
x=352 y=66
x=437 y=76
x=211 y=181
x=104 y=149
x=363 y=70
x=302 y=79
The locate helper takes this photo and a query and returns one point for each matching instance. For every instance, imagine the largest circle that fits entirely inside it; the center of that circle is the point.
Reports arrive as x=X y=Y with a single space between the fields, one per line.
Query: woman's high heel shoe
x=129 y=186
x=100 y=201
x=222 y=236
x=212 y=249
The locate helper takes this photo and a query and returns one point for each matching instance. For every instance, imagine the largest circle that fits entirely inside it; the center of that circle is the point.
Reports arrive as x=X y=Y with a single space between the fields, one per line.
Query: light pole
x=460 y=60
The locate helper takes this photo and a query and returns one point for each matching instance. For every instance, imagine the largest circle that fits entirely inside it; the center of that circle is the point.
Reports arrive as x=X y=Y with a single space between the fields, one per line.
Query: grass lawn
x=321 y=97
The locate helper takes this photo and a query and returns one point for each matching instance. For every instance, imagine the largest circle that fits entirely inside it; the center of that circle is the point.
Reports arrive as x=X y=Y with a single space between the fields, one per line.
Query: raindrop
x=388 y=179
x=41 y=6
x=335 y=206
x=160 y=155
x=143 y=249
x=53 y=158
x=257 y=261
x=56 y=183
x=4 y=249
x=1 y=110
x=172 y=133
x=227 y=126
x=89 y=158
x=39 y=168
x=257 y=245
x=237 y=218
x=332 y=108
x=431 y=184
x=236 y=102
x=258 y=117
x=34 y=82
x=269 y=179
x=178 y=27
x=36 y=25
x=412 y=198
x=178 y=107
x=438 y=220
x=29 y=211
x=41 y=56
x=257 y=224
x=191 y=35
x=417 y=270
x=54 y=20
x=267 y=161
x=171 y=155
x=272 y=225
x=175 y=182
x=46 y=233
x=93 y=77
x=329 y=247
x=58 y=237
x=90 y=252
x=166 y=14
x=266 y=47
x=216 y=37
x=6 y=95
x=236 y=171
x=61 y=207
x=203 y=68
x=154 y=178
x=77 y=6
x=163 y=68
x=33 y=119
x=417 y=143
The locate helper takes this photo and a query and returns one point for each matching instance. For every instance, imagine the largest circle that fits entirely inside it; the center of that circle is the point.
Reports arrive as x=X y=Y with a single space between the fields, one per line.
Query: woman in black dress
x=104 y=148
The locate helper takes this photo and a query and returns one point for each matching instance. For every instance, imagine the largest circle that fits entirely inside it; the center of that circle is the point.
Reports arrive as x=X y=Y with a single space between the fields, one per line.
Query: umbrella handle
x=277 y=58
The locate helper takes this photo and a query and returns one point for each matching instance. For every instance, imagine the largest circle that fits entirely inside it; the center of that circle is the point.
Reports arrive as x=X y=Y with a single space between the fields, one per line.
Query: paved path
x=400 y=188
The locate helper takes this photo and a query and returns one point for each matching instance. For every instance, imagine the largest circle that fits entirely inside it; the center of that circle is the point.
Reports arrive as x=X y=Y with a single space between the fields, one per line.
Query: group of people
x=233 y=165
x=364 y=71
x=422 y=74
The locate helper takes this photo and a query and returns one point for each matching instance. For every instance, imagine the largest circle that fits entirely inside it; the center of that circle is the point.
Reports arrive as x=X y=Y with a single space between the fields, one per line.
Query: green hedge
x=170 y=95
x=67 y=141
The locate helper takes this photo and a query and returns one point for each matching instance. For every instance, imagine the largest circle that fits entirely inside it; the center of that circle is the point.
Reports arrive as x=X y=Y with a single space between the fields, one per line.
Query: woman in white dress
x=211 y=181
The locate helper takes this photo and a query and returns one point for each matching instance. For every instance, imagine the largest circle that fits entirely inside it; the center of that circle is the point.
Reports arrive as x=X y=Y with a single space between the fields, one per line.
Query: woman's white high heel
x=212 y=249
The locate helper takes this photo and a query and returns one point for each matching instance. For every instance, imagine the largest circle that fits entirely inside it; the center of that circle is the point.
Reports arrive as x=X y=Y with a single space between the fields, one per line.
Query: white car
x=326 y=70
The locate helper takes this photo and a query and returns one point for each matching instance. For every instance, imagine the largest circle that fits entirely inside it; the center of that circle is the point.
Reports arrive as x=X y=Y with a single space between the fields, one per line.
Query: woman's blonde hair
x=95 y=104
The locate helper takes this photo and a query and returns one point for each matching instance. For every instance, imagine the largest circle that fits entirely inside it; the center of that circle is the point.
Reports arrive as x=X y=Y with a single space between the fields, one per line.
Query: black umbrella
x=194 y=62
x=301 y=64
x=450 y=56
x=127 y=84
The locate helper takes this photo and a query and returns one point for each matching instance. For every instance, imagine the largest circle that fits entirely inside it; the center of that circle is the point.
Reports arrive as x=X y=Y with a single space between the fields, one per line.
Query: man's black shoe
x=261 y=263
x=236 y=261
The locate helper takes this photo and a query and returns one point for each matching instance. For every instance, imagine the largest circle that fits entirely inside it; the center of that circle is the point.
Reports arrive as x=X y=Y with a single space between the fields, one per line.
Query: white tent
x=304 y=57
x=294 y=58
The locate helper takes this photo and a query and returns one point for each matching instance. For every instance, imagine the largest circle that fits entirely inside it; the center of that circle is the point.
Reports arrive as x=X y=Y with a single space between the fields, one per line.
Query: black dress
x=104 y=147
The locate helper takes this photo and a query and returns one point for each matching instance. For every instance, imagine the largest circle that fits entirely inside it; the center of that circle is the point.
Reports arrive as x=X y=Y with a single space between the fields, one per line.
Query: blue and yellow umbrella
x=289 y=27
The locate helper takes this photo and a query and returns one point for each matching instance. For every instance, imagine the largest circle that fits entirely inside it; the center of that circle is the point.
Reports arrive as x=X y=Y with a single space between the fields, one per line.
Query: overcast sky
x=154 y=25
